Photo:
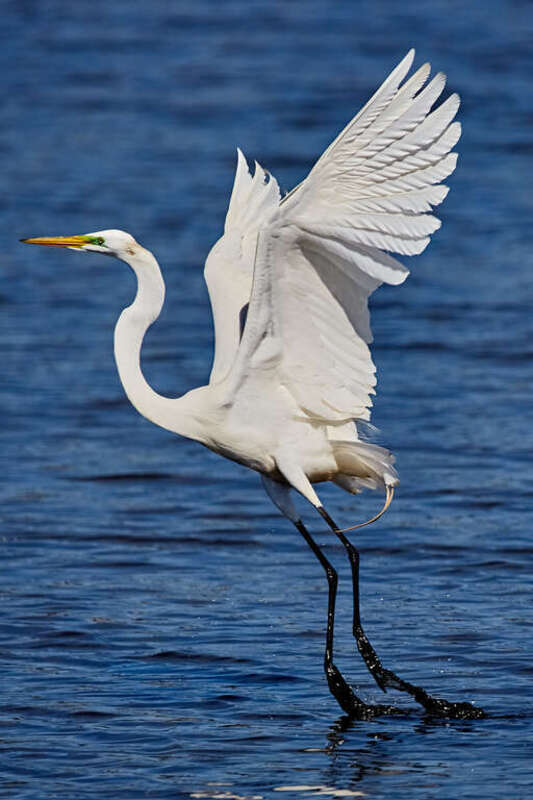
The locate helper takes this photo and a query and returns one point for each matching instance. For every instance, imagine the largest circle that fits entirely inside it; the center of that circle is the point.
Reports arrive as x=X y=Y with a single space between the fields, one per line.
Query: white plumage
x=289 y=283
x=307 y=264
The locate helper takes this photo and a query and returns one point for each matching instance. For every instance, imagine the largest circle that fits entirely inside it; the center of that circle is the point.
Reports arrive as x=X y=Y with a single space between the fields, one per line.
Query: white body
x=289 y=283
x=286 y=386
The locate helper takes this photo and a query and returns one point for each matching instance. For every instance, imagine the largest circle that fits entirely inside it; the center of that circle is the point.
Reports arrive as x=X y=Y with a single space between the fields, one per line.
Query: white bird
x=289 y=283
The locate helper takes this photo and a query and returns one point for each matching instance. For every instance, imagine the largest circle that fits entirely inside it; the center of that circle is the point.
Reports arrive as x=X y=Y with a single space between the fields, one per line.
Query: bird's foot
x=448 y=709
x=387 y=679
x=350 y=703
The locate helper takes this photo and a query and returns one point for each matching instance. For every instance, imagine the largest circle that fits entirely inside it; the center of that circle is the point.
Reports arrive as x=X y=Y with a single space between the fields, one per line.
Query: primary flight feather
x=289 y=283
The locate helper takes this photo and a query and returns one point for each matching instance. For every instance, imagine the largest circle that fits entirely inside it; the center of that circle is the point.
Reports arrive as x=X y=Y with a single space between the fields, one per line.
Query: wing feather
x=327 y=247
x=229 y=266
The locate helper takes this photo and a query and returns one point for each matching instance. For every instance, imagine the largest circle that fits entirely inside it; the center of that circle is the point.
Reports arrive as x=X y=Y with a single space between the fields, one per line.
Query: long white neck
x=181 y=415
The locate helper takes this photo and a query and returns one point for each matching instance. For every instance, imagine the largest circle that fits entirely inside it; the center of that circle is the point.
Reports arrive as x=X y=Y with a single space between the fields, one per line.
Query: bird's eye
x=98 y=240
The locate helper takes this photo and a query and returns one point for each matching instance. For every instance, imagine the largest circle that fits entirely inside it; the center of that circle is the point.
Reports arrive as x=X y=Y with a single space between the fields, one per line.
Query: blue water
x=162 y=626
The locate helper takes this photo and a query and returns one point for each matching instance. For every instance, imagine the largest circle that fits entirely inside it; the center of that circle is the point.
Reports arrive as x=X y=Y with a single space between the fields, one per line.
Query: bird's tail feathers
x=363 y=466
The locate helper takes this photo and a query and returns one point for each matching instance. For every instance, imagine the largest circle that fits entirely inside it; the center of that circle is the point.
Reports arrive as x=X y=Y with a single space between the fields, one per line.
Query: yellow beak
x=60 y=241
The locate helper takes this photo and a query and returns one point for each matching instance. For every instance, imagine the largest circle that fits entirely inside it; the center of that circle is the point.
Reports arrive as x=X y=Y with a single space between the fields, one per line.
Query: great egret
x=289 y=283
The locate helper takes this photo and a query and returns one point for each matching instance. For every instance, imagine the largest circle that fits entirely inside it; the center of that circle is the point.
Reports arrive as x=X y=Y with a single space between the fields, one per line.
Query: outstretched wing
x=327 y=247
x=229 y=266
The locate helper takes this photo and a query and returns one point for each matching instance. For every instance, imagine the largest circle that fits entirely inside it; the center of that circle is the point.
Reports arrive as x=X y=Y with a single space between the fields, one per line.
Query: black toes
x=449 y=710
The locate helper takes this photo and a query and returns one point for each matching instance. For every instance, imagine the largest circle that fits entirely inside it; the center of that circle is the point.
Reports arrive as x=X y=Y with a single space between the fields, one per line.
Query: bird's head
x=111 y=243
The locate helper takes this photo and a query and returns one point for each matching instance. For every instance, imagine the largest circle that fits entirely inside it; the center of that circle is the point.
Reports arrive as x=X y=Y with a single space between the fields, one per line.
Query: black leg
x=343 y=693
x=385 y=678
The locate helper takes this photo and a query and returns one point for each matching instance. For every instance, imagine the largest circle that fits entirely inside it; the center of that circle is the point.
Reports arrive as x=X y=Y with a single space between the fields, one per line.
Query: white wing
x=229 y=266
x=326 y=248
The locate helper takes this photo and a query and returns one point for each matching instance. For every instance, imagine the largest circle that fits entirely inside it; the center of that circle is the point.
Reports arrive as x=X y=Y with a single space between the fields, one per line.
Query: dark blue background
x=162 y=625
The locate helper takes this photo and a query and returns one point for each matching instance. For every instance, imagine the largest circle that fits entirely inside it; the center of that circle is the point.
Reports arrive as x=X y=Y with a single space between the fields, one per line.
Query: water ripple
x=162 y=628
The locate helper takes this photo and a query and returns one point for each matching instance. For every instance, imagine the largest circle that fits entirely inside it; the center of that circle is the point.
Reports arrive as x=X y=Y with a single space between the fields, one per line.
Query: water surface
x=162 y=626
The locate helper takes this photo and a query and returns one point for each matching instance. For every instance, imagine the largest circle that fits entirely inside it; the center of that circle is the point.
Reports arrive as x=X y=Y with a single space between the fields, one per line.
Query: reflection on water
x=216 y=794
x=162 y=627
